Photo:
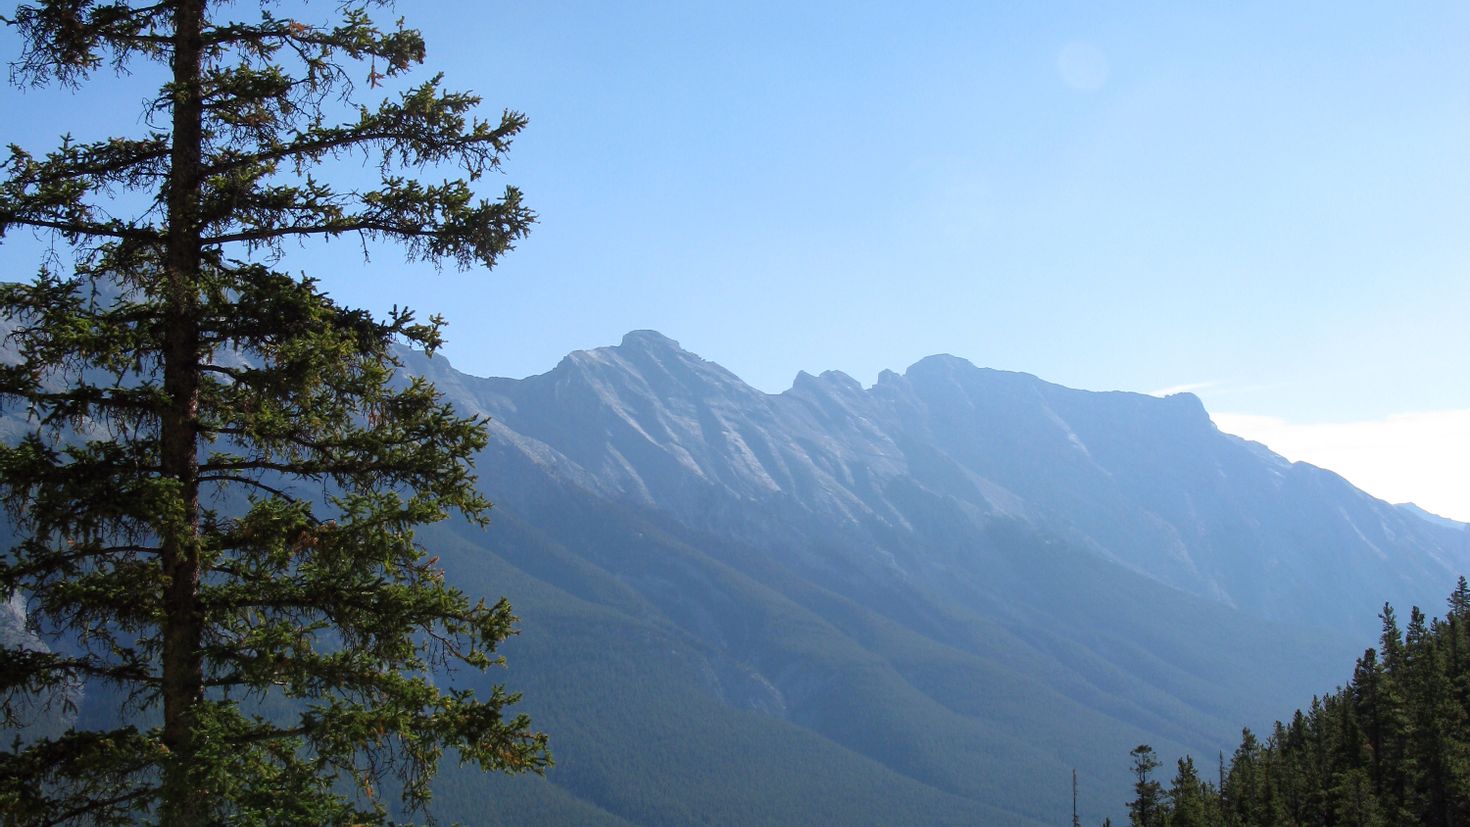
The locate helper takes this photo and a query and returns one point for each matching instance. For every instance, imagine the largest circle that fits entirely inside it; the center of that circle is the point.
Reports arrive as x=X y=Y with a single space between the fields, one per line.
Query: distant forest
x=1390 y=748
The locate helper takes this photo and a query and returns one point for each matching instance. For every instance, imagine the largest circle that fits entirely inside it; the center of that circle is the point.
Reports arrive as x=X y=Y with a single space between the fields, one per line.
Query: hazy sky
x=1266 y=202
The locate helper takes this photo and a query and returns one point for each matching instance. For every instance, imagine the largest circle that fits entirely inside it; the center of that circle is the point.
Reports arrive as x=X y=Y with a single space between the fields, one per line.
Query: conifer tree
x=1147 y=809
x=217 y=494
x=1244 y=789
x=1354 y=804
x=1190 y=798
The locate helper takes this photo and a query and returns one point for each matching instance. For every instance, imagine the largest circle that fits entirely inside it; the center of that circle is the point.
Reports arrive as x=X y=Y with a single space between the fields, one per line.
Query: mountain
x=952 y=587
x=922 y=602
x=885 y=472
x=1411 y=508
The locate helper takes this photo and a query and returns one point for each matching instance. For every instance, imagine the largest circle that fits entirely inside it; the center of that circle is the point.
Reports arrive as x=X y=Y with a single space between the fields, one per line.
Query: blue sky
x=1266 y=202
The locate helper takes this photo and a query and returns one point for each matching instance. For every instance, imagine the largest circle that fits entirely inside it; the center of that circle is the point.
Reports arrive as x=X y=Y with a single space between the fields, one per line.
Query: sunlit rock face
x=906 y=477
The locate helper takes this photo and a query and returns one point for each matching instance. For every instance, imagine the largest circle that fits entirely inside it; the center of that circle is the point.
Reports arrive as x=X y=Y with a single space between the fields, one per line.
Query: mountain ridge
x=1047 y=576
x=924 y=601
x=670 y=424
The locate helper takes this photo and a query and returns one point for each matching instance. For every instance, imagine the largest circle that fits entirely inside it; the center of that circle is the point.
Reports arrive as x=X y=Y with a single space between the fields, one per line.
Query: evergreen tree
x=1457 y=645
x=1377 y=708
x=1244 y=790
x=1393 y=758
x=1190 y=798
x=1454 y=635
x=1391 y=640
x=1354 y=804
x=1147 y=808
x=217 y=498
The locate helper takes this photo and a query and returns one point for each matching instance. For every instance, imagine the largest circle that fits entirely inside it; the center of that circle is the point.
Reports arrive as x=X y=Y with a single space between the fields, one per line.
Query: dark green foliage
x=1147 y=807
x=1392 y=747
x=217 y=494
x=1192 y=801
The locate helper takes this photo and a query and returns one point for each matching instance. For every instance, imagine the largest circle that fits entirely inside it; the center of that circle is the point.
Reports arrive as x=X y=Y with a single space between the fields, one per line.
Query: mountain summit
x=1145 y=482
x=924 y=601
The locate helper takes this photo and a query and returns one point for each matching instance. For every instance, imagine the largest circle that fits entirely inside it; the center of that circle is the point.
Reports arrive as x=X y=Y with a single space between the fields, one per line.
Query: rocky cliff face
x=907 y=476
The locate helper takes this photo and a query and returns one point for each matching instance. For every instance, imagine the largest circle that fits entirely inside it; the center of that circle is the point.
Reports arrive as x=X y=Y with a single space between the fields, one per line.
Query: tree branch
x=80 y=228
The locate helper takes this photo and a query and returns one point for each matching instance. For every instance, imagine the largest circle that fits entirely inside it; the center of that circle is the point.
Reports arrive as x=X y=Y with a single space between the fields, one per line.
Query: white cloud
x=1423 y=458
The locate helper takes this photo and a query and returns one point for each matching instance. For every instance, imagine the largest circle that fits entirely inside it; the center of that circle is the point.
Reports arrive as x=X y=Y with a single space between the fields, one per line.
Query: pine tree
x=1354 y=804
x=1147 y=809
x=1190 y=798
x=1456 y=646
x=1245 y=789
x=217 y=496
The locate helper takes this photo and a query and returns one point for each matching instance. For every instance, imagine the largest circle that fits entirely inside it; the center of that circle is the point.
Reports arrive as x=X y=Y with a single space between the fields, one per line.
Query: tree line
x=1390 y=748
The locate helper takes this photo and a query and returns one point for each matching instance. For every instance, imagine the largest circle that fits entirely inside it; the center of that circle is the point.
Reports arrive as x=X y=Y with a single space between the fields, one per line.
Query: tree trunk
x=184 y=803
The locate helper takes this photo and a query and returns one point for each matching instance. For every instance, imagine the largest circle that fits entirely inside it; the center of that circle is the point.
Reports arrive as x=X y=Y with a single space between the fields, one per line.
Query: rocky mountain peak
x=649 y=340
x=1144 y=481
x=648 y=363
x=941 y=364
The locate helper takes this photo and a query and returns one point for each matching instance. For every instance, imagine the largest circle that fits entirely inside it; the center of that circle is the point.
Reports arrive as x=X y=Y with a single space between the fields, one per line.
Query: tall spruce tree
x=217 y=492
x=1191 y=800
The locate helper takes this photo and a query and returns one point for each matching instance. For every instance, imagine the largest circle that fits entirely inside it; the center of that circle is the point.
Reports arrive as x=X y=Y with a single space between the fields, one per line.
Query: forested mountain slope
x=957 y=584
